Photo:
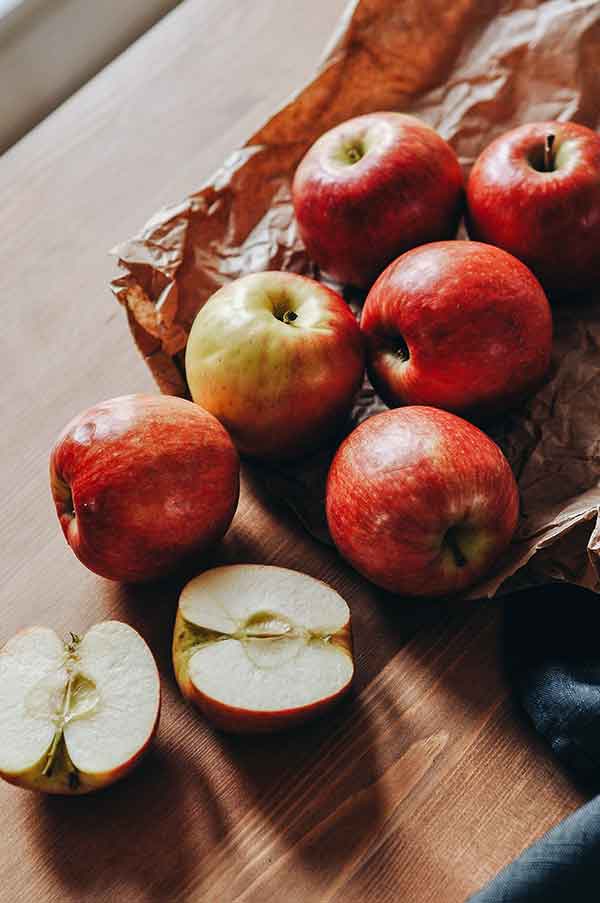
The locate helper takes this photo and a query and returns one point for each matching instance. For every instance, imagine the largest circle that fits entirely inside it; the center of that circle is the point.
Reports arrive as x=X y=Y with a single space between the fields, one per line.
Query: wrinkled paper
x=472 y=70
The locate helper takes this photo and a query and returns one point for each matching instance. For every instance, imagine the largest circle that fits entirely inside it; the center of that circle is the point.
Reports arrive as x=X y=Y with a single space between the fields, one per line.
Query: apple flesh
x=374 y=187
x=420 y=501
x=260 y=648
x=75 y=716
x=535 y=191
x=141 y=483
x=457 y=325
x=278 y=359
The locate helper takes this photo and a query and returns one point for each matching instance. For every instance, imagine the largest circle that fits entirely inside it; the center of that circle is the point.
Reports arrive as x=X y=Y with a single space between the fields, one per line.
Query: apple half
x=77 y=715
x=260 y=648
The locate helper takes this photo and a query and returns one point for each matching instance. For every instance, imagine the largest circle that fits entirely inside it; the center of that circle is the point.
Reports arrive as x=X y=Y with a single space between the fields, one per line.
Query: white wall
x=49 y=48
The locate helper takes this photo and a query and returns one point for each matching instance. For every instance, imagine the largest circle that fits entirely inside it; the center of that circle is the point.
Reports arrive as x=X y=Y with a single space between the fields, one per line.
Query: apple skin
x=549 y=220
x=235 y=720
x=142 y=483
x=281 y=389
x=355 y=216
x=401 y=481
x=58 y=783
x=457 y=325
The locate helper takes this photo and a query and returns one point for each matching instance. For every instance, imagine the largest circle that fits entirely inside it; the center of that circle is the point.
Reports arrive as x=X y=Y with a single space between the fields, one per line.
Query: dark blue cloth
x=562 y=867
x=552 y=647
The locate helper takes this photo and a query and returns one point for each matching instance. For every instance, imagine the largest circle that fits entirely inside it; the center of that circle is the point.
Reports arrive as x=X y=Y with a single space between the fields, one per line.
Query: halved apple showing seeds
x=77 y=715
x=261 y=648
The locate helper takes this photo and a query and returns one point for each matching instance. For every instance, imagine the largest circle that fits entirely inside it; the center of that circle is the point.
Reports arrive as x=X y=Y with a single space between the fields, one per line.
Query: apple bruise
x=63 y=701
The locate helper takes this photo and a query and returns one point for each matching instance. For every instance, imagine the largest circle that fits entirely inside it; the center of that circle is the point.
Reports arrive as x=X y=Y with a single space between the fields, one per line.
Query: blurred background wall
x=49 y=48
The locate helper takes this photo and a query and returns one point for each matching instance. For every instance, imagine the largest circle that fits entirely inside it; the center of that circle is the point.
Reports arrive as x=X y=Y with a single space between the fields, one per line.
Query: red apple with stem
x=420 y=501
x=370 y=189
x=535 y=191
x=278 y=359
x=143 y=482
x=458 y=325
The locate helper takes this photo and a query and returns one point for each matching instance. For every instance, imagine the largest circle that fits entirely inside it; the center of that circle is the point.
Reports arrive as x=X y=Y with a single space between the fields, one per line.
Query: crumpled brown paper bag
x=471 y=69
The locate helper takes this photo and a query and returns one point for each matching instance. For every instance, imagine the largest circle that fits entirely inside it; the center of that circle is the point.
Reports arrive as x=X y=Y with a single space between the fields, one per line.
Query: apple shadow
x=130 y=841
x=310 y=798
x=313 y=791
x=443 y=633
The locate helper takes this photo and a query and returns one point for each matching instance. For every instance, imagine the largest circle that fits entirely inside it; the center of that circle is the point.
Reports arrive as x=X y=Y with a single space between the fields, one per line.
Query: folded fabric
x=552 y=646
x=562 y=867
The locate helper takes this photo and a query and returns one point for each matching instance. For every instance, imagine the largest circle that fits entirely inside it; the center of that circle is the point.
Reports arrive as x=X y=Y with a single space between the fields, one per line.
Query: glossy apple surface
x=141 y=483
x=75 y=716
x=277 y=358
x=542 y=206
x=420 y=501
x=370 y=189
x=457 y=325
x=260 y=648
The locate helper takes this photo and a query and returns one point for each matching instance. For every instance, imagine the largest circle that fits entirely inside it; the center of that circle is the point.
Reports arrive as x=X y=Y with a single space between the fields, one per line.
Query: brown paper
x=472 y=70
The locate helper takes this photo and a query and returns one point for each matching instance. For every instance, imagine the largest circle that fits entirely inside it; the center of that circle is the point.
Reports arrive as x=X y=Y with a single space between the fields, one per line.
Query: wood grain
x=422 y=784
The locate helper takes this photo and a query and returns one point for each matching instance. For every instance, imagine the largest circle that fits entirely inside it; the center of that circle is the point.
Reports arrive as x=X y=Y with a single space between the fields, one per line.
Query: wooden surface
x=424 y=783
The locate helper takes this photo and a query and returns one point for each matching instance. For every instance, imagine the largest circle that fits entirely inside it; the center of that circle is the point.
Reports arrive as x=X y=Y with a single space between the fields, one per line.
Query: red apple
x=142 y=482
x=457 y=325
x=535 y=191
x=260 y=648
x=278 y=359
x=372 y=188
x=421 y=502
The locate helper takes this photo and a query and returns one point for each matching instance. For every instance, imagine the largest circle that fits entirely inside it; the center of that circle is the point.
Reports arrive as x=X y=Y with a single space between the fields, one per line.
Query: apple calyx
x=350 y=152
x=549 y=153
x=289 y=317
x=354 y=153
x=74 y=698
x=451 y=540
x=63 y=496
x=401 y=349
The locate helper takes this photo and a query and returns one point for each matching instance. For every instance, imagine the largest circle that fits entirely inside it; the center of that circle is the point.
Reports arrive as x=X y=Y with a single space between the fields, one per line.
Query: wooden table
x=428 y=780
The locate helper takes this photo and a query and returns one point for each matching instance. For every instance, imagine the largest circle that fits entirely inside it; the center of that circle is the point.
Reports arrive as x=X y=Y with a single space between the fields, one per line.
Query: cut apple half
x=77 y=715
x=261 y=648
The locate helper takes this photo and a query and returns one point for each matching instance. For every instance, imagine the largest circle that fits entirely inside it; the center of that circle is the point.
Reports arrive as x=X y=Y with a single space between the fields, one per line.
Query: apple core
x=63 y=697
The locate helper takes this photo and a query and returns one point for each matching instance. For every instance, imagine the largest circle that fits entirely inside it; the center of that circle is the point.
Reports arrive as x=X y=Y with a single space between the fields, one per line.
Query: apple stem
x=548 y=153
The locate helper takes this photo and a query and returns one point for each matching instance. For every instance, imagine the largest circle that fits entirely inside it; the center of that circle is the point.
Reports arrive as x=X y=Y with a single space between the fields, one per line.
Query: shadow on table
x=130 y=841
x=311 y=792
x=320 y=801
